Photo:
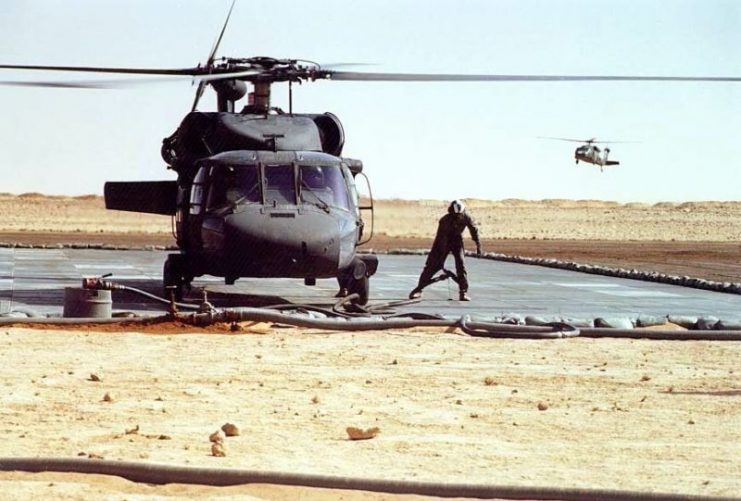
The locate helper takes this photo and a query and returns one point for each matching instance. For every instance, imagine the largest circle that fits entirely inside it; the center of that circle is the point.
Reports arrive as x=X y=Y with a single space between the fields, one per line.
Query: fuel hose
x=153 y=473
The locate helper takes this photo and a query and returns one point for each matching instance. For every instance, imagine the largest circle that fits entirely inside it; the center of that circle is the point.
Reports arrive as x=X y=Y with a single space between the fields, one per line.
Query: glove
x=478 y=250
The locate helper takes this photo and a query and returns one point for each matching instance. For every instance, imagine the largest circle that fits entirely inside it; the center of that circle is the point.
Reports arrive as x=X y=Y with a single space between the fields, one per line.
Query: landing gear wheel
x=172 y=276
x=361 y=287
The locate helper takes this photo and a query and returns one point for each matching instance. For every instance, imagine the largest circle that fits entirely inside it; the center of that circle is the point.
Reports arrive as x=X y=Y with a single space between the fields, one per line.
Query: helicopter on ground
x=263 y=192
x=590 y=153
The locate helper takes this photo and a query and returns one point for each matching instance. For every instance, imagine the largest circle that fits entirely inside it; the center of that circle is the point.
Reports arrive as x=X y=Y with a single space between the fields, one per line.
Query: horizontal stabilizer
x=612 y=162
x=151 y=197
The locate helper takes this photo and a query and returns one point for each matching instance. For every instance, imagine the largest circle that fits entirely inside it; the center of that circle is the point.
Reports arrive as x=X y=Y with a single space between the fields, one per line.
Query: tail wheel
x=172 y=276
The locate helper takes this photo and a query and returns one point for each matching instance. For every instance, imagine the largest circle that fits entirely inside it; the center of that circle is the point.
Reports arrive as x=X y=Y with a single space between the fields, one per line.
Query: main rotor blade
x=329 y=66
x=123 y=83
x=452 y=77
x=199 y=93
x=617 y=142
x=565 y=139
x=210 y=60
x=60 y=85
x=98 y=69
x=215 y=47
x=587 y=141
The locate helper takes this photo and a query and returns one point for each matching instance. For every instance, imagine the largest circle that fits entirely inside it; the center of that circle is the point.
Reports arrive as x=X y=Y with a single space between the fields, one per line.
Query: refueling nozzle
x=98 y=283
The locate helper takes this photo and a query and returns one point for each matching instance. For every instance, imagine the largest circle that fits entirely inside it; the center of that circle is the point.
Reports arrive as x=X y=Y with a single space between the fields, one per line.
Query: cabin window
x=280 y=185
x=323 y=185
x=233 y=184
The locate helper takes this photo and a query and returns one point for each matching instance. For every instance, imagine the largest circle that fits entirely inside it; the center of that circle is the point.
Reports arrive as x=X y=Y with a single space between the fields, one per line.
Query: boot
x=415 y=294
x=341 y=293
x=463 y=296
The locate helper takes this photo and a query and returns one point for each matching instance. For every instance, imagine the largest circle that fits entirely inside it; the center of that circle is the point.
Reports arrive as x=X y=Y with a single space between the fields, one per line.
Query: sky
x=417 y=140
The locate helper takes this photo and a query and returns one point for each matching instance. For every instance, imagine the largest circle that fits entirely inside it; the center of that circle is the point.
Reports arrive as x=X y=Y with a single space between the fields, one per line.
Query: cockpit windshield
x=280 y=185
x=323 y=185
x=233 y=184
x=218 y=186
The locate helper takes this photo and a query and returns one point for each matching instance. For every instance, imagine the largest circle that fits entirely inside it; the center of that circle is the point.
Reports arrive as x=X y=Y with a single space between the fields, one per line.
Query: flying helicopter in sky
x=261 y=191
x=590 y=153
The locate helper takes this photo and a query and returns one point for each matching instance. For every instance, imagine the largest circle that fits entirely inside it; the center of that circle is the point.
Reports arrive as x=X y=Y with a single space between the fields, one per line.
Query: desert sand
x=656 y=416
x=504 y=219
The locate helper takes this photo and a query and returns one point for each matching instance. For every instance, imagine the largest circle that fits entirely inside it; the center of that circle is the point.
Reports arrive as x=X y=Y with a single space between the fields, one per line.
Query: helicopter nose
x=284 y=243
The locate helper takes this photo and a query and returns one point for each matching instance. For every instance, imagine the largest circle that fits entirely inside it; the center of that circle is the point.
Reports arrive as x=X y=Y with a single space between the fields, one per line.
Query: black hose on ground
x=551 y=330
x=639 y=333
x=389 y=320
x=336 y=324
x=554 y=330
x=353 y=309
x=155 y=297
x=167 y=474
x=304 y=308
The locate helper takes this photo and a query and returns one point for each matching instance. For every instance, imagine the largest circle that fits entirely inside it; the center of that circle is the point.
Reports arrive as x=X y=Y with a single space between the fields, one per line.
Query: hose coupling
x=99 y=283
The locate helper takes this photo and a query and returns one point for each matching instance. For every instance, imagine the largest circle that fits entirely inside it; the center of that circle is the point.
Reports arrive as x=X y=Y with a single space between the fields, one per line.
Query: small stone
x=217 y=437
x=230 y=430
x=217 y=450
x=542 y=406
x=360 y=434
x=94 y=377
x=107 y=397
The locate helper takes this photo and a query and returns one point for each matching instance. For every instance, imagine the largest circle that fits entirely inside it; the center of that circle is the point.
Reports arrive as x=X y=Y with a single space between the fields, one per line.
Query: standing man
x=449 y=239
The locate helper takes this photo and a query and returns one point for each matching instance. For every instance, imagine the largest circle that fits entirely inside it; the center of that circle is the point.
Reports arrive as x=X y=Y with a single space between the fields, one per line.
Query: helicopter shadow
x=34 y=291
x=216 y=295
x=44 y=295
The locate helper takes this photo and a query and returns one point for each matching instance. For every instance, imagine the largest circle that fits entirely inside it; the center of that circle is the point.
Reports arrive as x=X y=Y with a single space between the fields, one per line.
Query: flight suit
x=449 y=239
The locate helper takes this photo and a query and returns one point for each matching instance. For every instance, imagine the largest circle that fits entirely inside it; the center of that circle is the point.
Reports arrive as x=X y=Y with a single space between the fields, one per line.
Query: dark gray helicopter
x=261 y=192
x=590 y=153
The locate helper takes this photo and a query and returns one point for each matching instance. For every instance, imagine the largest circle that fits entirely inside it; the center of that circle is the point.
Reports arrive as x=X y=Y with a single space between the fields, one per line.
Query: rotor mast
x=260 y=100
